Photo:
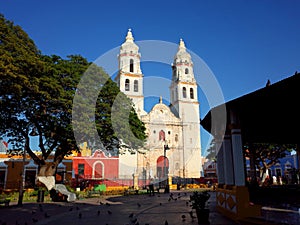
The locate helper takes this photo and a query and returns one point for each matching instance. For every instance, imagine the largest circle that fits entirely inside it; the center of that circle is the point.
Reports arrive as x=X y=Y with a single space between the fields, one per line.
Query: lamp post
x=22 y=183
x=167 y=187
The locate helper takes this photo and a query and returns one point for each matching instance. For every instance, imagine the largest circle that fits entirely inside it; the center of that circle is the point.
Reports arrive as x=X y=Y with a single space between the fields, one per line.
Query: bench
x=5 y=202
x=94 y=193
x=131 y=191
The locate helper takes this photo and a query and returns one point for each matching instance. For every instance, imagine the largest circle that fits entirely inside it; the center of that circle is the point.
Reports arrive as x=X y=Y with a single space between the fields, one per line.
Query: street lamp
x=22 y=184
x=167 y=188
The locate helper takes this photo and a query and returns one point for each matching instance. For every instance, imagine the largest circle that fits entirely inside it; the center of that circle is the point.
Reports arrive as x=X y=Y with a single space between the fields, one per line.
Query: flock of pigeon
x=132 y=218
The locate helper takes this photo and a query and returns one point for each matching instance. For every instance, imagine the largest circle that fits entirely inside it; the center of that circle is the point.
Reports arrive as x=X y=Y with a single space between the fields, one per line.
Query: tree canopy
x=265 y=155
x=211 y=151
x=37 y=98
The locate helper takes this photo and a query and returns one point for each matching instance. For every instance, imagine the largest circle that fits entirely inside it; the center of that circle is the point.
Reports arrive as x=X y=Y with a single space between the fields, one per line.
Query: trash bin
x=40 y=197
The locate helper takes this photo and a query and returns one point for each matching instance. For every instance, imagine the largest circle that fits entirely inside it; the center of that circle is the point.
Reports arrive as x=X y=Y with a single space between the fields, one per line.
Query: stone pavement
x=152 y=210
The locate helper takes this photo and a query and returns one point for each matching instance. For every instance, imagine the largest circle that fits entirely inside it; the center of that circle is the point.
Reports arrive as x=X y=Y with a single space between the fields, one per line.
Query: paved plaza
x=152 y=210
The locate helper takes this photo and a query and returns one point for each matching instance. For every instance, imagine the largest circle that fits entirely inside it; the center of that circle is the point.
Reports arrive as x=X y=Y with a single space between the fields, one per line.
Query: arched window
x=184 y=92
x=191 y=93
x=136 y=86
x=127 y=85
x=131 y=66
x=186 y=71
x=161 y=136
x=176 y=137
x=174 y=71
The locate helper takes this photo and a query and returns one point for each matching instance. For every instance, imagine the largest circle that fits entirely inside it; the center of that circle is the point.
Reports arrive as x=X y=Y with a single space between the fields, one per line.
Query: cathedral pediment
x=162 y=112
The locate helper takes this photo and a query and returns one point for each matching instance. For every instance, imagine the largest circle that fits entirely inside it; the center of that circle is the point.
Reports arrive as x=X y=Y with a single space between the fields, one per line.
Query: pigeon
x=166 y=222
x=109 y=212
x=80 y=215
x=98 y=213
x=131 y=215
x=191 y=214
x=134 y=220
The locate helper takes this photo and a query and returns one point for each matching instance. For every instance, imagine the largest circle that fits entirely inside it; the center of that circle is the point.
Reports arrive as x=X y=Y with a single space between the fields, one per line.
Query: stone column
x=238 y=157
x=136 y=181
x=220 y=163
x=228 y=162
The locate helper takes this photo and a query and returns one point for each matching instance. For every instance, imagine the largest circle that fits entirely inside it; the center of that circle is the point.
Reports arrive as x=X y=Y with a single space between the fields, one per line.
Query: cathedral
x=173 y=147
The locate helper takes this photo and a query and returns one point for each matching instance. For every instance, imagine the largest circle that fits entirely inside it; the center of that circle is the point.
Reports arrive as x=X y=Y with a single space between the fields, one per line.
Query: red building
x=98 y=166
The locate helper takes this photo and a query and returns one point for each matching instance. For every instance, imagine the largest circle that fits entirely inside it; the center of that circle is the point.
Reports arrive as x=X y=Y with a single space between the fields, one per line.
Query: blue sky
x=244 y=43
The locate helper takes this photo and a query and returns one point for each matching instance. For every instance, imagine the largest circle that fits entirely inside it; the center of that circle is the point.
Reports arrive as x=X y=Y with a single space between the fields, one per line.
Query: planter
x=203 y=216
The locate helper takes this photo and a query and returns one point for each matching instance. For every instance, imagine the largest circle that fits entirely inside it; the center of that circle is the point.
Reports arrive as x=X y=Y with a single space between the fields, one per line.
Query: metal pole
x=166 y=147
x=22 y=184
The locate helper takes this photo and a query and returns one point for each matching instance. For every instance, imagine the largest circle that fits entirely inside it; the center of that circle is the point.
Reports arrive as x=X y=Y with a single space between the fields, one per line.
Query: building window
x=191 y=93
x=127 y=85
x=131 y=66
x=81 y=169
x=184 y=92
x=174 y=71
x=176 y=137
x=136 y=86
x=186 y=71
x=161 y=136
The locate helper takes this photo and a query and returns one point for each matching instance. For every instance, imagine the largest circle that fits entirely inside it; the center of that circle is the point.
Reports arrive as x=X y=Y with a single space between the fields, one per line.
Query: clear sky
x=244 y=43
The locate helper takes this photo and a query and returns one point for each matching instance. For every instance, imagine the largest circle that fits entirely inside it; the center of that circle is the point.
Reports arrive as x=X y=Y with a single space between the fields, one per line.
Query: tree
x=37 y=97
x=265 y=155
x=211 y=151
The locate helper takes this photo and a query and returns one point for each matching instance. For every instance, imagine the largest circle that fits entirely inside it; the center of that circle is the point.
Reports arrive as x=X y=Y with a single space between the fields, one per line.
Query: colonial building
x=173 y=147
x=12 y=167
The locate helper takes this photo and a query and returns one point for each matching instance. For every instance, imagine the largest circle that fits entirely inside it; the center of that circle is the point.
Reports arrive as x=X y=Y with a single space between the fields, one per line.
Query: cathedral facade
x=173 y=147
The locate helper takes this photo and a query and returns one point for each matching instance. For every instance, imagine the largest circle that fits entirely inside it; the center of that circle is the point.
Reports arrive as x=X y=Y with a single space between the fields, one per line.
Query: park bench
x=130 y=191
x=5 y=202
x=94 y=193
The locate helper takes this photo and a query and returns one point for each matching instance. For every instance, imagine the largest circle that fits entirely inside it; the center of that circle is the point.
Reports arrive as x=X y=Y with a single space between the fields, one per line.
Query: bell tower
x=185 y=105
x=130 y=77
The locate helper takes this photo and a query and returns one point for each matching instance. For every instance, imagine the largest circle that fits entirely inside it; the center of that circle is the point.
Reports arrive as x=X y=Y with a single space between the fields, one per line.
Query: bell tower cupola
x=130 y=77
x=183 y=87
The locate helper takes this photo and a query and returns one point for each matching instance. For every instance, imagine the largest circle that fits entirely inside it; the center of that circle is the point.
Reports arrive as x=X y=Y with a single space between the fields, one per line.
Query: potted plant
x=199 y=203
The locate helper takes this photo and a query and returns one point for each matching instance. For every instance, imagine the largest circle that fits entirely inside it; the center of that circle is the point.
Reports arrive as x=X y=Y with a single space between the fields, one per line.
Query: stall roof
x=268 y=115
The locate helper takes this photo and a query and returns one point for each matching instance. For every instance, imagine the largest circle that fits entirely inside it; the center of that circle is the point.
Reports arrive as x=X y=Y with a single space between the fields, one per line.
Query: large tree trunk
x=46 y=174
x=48 y=169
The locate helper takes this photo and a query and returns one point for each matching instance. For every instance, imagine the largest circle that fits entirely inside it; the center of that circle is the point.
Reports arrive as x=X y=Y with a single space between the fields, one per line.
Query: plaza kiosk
x=268 y=115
